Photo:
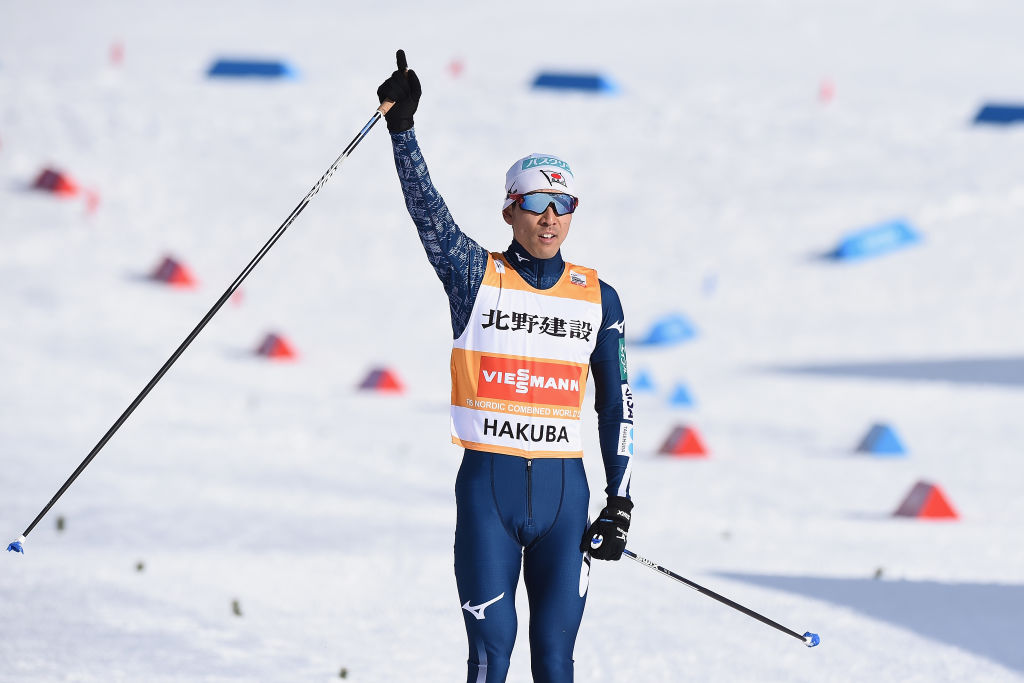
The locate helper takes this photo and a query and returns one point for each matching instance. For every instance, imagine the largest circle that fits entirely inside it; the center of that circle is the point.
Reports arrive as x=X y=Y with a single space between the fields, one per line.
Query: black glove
x=606 y=537
x=402 y=88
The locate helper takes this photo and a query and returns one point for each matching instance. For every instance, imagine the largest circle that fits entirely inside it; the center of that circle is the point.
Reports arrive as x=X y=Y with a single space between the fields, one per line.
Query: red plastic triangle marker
x=174 y=273
x=276 y=347
x=56 y=182
x=383 y=380
x=926 y=501
x=684 y=441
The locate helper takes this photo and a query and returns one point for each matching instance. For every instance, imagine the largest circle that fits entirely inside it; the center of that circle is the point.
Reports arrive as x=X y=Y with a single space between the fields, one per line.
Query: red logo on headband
x=554 y=177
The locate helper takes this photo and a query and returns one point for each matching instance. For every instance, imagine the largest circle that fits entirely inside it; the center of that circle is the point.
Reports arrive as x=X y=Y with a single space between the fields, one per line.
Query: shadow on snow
x=984 y=619
x=1008 y=371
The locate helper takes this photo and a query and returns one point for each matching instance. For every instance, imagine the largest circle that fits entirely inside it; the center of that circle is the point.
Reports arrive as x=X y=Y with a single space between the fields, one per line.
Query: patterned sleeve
x=613 y=398
x=458 y=260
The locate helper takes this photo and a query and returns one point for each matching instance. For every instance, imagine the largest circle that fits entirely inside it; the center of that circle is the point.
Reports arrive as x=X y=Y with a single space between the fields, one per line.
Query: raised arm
x=456 y=258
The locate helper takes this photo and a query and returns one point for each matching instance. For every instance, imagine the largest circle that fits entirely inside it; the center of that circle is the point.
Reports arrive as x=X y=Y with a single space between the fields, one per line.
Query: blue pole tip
x=811 y=639
x=15 y=546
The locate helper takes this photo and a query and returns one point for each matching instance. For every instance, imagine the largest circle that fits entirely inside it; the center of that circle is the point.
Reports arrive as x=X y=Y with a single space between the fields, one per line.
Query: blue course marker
x=681 y=397
x=875 y=241
x=579 y=82
x=1000 y=114
x=882 y=440
x=673 y=328
x=642 y=381
x=251 y=68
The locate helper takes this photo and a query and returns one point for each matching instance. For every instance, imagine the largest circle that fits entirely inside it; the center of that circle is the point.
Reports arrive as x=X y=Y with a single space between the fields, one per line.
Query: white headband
x=539 y=172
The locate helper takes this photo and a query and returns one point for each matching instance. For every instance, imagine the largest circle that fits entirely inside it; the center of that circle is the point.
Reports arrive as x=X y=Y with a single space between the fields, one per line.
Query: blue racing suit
x=515 y=512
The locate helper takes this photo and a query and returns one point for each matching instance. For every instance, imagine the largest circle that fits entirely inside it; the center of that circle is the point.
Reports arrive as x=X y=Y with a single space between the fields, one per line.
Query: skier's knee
x=552 y=669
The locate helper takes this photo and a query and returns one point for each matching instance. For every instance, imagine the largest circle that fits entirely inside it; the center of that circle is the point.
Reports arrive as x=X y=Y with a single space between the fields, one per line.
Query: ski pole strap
x=809 y=639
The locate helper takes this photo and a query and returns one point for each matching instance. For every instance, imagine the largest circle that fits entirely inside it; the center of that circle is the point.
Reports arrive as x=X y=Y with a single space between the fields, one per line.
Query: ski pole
x=809 y=639
x=16 y=545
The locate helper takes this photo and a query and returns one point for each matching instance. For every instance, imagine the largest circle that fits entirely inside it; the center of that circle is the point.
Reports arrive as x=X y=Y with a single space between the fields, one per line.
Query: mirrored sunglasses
x=538 y=202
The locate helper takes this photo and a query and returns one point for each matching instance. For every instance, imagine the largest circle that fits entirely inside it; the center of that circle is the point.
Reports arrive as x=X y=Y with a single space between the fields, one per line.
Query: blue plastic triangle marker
x=642 y=382
x=882 y=440
x=670 y=329
x=681 y=397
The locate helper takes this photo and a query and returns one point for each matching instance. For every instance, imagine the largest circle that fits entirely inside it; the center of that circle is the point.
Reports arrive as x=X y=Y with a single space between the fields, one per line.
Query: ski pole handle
x=385 y=106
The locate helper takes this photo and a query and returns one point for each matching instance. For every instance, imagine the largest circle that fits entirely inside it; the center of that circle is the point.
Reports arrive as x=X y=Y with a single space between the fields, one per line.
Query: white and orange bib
x=519 y=369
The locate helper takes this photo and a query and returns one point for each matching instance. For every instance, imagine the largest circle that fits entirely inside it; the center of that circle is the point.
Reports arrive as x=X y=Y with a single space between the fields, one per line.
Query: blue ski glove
x=402 y=88
x=606 y=537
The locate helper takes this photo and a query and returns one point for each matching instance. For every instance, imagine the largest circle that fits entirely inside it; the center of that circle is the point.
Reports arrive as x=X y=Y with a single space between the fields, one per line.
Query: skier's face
x=540 y=234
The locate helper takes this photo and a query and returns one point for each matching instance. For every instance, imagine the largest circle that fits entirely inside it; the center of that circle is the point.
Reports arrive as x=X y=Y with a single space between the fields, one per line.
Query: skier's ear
x=506 y=213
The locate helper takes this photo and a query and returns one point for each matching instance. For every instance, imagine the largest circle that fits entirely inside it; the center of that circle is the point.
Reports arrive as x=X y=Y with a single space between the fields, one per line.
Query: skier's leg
x=487 y=561
x=556 y=575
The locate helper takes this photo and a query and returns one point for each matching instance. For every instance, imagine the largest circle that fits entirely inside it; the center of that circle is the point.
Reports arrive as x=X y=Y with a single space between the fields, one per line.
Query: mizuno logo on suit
x=478 y=610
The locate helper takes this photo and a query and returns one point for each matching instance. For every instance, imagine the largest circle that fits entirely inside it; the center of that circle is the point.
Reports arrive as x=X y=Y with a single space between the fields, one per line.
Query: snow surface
x=712 y=185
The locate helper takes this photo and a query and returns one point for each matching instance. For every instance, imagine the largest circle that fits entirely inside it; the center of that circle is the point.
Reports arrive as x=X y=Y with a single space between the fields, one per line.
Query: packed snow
x=259 y=520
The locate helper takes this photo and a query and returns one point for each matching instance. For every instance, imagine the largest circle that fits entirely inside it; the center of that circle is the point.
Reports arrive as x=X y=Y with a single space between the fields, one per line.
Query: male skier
x=527 y=328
